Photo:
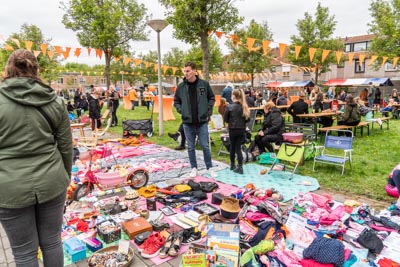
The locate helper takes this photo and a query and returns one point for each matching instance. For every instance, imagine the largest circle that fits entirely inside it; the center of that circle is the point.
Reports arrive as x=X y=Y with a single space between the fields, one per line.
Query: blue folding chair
x=336 y=149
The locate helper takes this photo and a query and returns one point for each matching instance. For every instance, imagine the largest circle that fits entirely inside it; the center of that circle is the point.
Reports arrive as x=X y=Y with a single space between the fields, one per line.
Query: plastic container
x=293 y=137
x=75 y=248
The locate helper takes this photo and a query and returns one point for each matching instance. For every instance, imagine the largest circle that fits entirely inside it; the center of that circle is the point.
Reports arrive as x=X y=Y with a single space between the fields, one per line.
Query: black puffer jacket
x=273 y=122
x=234 y=116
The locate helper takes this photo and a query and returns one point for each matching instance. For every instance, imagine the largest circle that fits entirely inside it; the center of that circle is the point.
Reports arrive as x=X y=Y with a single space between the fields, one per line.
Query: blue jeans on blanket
x=201 y=131
x=34 y=226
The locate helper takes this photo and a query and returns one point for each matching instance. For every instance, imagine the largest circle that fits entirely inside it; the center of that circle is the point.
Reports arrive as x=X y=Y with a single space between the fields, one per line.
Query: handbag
x=266 y=158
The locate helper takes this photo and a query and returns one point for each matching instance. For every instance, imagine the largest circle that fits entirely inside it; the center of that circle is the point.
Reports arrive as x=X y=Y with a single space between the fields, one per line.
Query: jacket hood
x=27 y=91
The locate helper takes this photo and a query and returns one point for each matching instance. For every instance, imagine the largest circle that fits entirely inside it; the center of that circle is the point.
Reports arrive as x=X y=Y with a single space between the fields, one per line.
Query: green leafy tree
x=193 y=19
x=315 y=31
x=251 y=61
x=385 y=25
x=215 y=55
x=108 y=25
x=34 y=34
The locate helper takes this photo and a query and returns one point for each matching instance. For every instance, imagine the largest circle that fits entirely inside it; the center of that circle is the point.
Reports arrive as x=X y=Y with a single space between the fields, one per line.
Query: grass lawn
x=374 y=156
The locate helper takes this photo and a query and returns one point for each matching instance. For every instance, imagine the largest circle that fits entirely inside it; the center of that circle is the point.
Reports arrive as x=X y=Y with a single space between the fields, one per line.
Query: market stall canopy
x=359 y=82
x=290 y=84
x=163 y=84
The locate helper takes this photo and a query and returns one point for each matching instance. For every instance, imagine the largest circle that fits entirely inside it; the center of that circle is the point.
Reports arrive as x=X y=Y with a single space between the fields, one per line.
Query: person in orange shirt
x=132 y=97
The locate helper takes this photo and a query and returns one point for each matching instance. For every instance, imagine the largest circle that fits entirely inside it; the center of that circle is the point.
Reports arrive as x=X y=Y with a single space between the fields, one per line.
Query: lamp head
x=157 y=24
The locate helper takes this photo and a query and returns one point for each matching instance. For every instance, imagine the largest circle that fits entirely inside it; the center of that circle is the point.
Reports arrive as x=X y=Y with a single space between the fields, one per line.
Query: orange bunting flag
x=118 y=58
x=311 y=52
x=361 y=58
x=99 y=53
x=174 y=70
x=155 y=67
x=164 y=68
x=127 y=60
x=297 y=49
x=9 y=47
x=265 y=45
x=137 y=62
x=338 y=56
x=36 y=53
x=372 y=60
x=89 y=50
x=16 y=41
x=66 y=52
x=28 y=45
x=395 y=59
x=250 y=43
x=325 y=54
x=282 y=48
x=350 y=57
x=51 y=54
x=219 y=34
x=58 y=49
x=384 y=59
x=44 y=48
x=209 y=33
x=147 y=64
x=77 y=52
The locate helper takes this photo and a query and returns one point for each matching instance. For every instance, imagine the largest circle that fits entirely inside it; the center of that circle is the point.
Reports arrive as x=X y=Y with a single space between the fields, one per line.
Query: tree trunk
x=252 y=79
x=316 y=74
x=206 y=55
x=107 y=69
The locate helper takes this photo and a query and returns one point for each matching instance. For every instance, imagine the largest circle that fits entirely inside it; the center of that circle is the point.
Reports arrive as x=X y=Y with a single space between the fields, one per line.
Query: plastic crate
x=109 y=231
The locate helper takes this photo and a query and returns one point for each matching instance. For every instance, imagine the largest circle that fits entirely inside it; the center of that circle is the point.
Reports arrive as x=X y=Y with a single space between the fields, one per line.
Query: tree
x=193 y=19
x=34 y=34
x=386 y=27
x=254 y=60
x=215 y=55
x=315 y=31
x=108 y=25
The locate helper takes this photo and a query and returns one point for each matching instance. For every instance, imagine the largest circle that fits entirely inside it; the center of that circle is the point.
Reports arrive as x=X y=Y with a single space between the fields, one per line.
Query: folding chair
x=336 y=149
x=291 y=153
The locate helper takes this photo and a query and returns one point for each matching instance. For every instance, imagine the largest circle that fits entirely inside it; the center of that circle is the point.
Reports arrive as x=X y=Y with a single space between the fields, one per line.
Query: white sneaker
x=193 y=173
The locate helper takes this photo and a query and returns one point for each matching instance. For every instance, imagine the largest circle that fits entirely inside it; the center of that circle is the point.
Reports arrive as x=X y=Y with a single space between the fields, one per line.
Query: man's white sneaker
x=193 y=173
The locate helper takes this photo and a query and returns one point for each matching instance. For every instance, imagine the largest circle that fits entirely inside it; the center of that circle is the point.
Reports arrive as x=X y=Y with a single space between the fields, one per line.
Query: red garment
x=313 y=263
x=385 y=262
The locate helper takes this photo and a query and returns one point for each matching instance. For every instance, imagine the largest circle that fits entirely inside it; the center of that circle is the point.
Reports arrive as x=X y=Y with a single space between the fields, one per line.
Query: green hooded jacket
x=35 y=162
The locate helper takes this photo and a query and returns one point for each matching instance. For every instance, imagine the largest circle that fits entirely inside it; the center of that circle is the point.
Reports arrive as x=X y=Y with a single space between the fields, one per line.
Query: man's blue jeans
x=132 y=105
x=202 y=132
x=34 y=226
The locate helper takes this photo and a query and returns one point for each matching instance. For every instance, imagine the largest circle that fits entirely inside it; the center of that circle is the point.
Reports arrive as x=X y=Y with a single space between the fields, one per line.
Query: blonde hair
x=239 y=95
x=269 y=105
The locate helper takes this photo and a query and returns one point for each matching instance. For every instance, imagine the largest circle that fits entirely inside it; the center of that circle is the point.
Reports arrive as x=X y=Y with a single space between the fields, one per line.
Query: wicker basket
x=112 y=249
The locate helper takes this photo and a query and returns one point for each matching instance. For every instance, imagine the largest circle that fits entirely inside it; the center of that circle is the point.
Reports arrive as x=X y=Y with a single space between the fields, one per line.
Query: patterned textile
x=326 y=250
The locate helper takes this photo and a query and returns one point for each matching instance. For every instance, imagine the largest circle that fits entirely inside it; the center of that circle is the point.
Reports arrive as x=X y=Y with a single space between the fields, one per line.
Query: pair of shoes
x=232 y=166
x=180 y=148
x=176 y=245
x=238 y=170
x=193 y=173
x=191 y=235
x=174 y=136
x=152 y=246
x=211 y=172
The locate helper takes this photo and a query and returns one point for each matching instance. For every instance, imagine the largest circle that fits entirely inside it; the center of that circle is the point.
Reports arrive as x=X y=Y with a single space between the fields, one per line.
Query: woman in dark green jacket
x=35 y=162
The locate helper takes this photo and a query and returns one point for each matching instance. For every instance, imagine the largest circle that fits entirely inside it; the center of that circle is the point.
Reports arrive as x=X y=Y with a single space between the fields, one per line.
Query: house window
x=306 y=73
x=103 y=81
x=61 y=80
x=273 y=69
x=347 y=48
x=359 y=68
x=389 y=67
x=285 y=73
x=360 y=46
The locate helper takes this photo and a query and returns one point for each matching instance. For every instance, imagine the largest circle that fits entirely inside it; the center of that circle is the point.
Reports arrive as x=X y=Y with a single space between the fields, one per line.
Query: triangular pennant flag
x=164 y=68
x=250 y=43
x=127 y=60
x=361 y=58
x=137 y=62
x=36 y=53
x=395 y=59
x=325 y=53
x=89 y=50
x=118 y=58
x=311 y=52
x=372 y=60
x=9 y=47
x=219 y=34
x=155 y=67
x=174 y=70
x=77 y=52
x=282 y=48
x=147 y=64
x=338 y=56
x=44 y=48
x=28 y=45
x=51 y=54
x=209 y=33
x=297 y=49
x=350 y=56
x=384 y=59
x=66 y=52
x=235 y=39
x=265 y=46
x=16 y=41
x=58 y=49
x=99 y=53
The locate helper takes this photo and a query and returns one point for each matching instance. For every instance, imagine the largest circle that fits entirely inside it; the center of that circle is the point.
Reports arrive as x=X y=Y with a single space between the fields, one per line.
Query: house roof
x=358 y=39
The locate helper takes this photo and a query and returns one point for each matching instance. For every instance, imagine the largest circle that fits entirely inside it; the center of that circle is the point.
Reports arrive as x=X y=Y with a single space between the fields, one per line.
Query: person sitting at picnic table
x=319 y=107
x=351 y=115
x=298 y=107
x=272 y=129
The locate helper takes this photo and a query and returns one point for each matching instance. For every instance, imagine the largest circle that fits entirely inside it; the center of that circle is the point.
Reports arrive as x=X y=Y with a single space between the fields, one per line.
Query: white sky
x=352 y=17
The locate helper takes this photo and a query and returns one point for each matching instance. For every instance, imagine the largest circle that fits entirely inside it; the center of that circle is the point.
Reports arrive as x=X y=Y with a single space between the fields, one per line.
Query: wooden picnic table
x=314 y=117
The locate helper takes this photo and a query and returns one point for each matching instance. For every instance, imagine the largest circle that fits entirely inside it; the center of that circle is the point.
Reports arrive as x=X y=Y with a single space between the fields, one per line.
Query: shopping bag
x=266 y=158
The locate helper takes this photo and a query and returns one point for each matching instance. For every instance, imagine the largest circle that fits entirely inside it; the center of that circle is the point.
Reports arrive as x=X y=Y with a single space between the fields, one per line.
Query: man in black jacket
x=298 y=107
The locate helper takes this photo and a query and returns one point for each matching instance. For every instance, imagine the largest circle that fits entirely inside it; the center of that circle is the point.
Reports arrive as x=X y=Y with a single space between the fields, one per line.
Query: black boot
x=239 y=169
x=174 y=136
x=233 y=166
x=182 y=145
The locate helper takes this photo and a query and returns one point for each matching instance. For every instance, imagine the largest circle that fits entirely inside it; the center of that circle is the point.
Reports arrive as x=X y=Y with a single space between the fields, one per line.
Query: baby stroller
x=226 y=146
x=145 y=126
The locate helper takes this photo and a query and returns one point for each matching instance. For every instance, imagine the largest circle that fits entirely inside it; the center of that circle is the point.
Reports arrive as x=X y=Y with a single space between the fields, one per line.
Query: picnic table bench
x=361 y=126
x=382 y=121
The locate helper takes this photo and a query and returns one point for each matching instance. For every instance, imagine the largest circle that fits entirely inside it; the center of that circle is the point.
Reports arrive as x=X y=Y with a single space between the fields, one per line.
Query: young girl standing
x=236 y=116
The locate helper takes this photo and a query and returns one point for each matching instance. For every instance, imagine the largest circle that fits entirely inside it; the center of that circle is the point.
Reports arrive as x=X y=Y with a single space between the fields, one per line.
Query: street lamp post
x=158 y=25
